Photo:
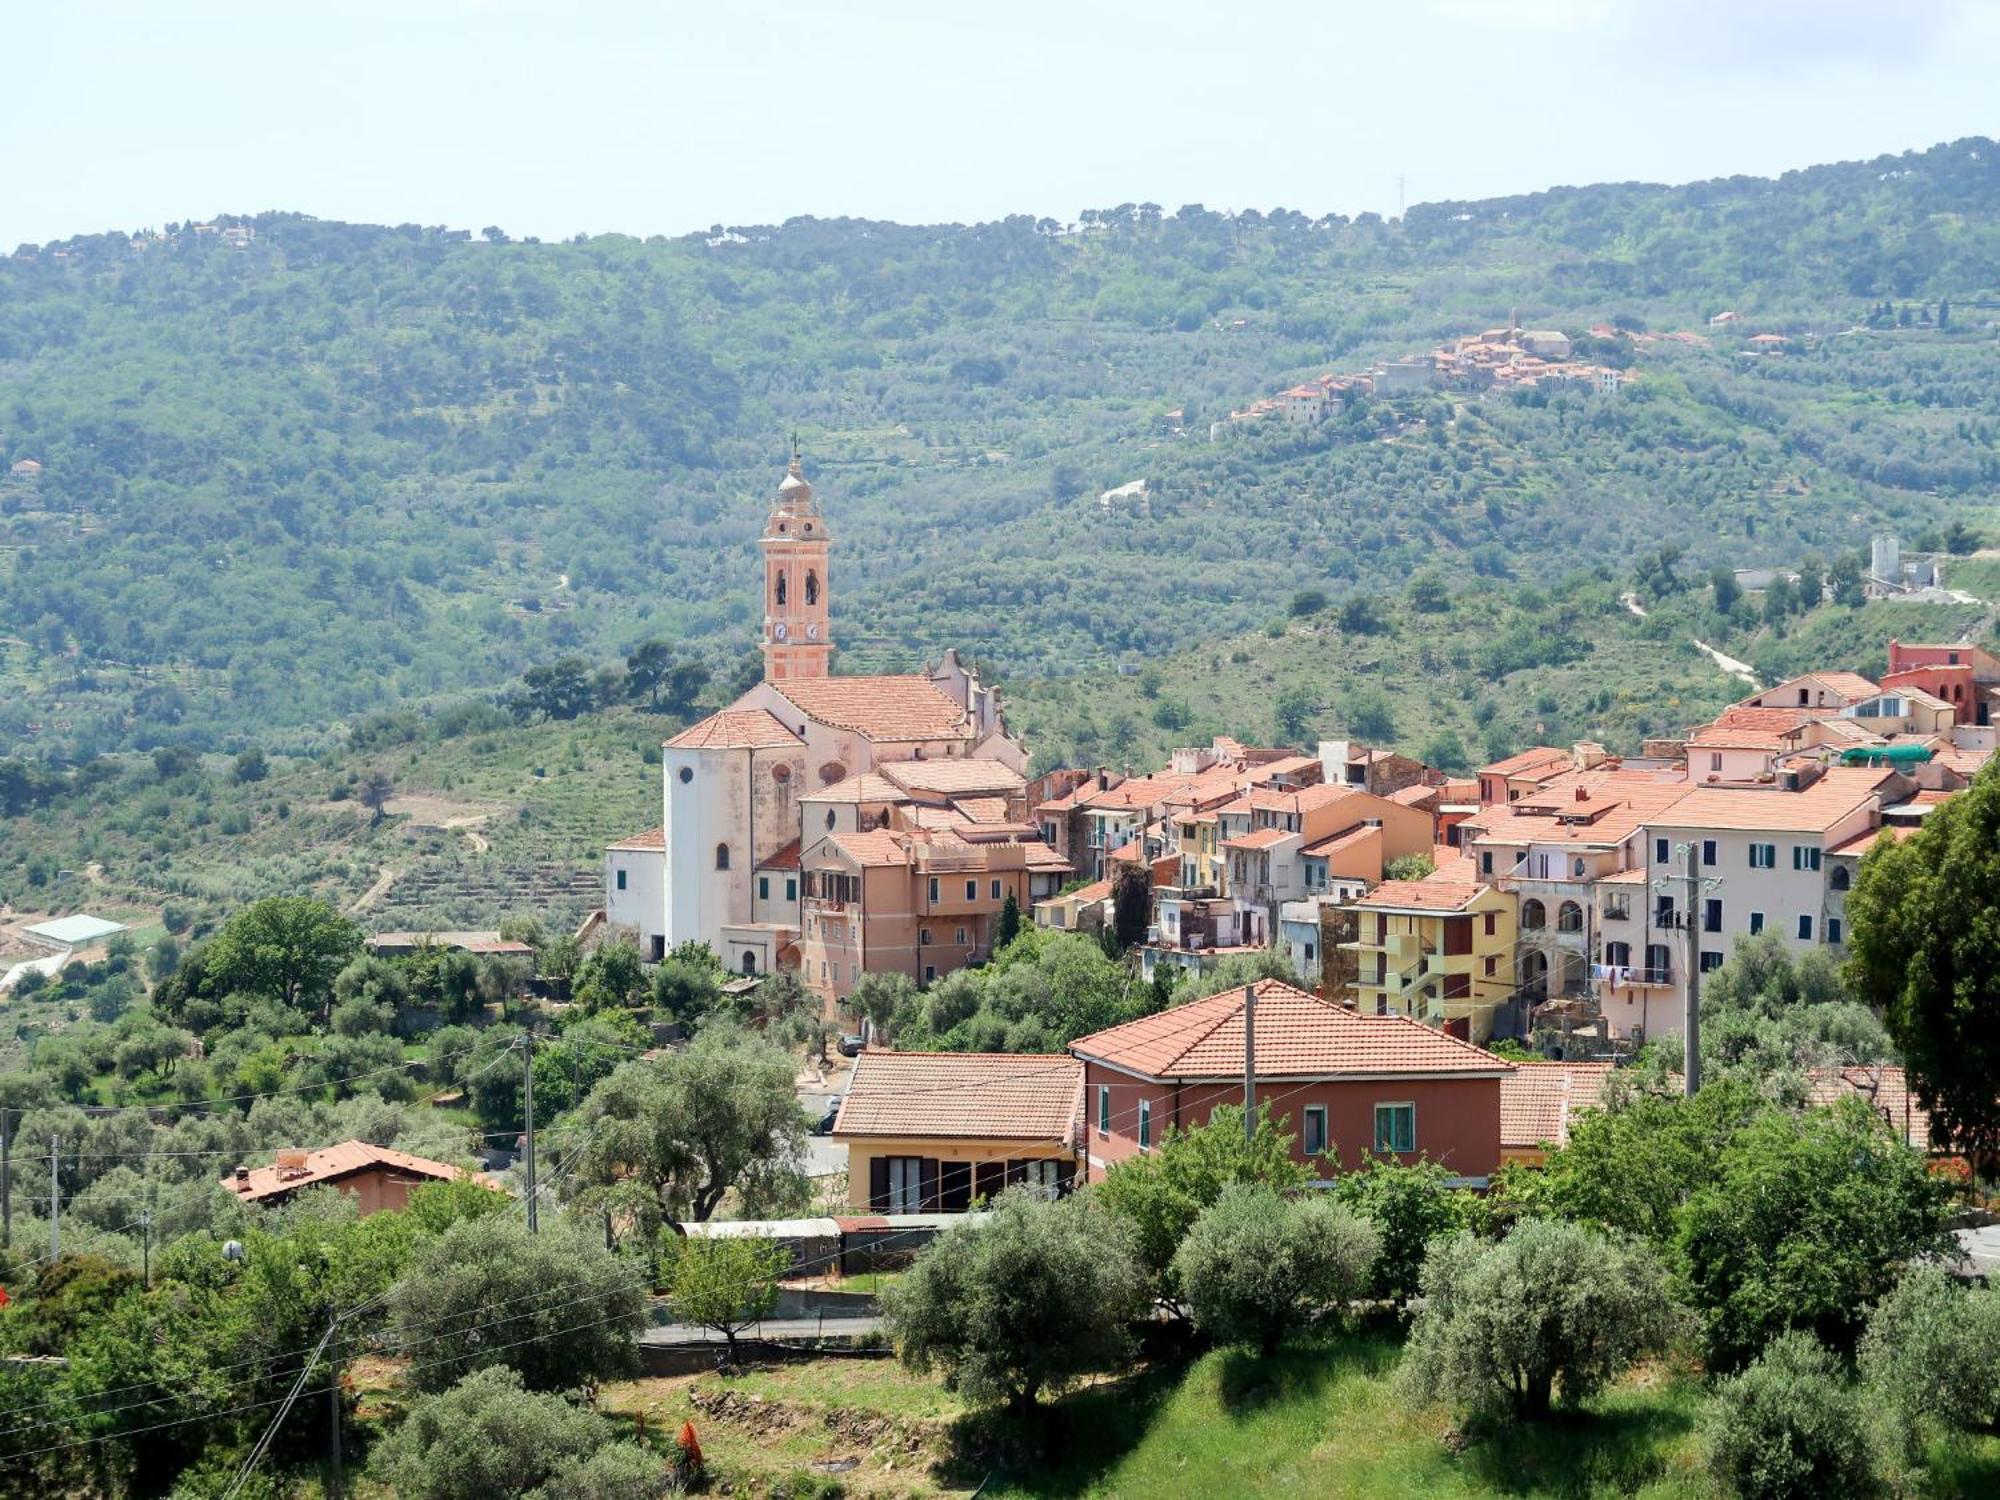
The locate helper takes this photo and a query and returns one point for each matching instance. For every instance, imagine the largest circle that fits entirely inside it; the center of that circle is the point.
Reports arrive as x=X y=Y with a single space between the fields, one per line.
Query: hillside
x=289 y=482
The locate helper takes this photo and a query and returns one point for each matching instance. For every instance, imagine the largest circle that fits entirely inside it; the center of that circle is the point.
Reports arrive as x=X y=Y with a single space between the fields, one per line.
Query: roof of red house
x=1887 y=1090
x=1421 y=895
x=652 y=838
x=1417 y=795
x=1527 y=762
x=1862 y=842
x=879 y=708
x=1345 y=839
x=1537 y=1100
x=1738 y=716
x=955 y=777
x=330 y=1164
x=735 y=729
x=786 y=858
x=876 y=846
x=1298 y=1035
x=1084 y=895
x=963 y=1095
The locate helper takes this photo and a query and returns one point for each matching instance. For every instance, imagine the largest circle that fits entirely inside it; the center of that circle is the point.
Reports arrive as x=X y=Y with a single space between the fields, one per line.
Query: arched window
x=1569 y=917
x=1534 y=917
x=812 y=587
x=1840 y=879
x=749 y=962
x=721 y=856
x=781 y=591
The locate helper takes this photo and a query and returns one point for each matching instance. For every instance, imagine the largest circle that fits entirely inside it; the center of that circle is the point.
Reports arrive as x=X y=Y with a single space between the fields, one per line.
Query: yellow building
x=1437 y=950
x=939 y=1132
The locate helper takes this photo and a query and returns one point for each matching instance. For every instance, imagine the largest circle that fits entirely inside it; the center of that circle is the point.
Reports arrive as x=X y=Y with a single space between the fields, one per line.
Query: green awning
x=1886 y=755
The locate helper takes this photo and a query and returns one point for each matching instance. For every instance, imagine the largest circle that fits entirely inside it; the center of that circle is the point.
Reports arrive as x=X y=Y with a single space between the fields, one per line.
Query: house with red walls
x=1345 y=1086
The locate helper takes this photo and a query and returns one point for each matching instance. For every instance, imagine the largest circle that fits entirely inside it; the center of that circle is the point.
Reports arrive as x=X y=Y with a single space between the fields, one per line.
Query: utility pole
x=333 y=1402
x=1691 y=1023
x=1250 y=1063
x=528 y=1107
x=55 y=1198
x=6 y=1181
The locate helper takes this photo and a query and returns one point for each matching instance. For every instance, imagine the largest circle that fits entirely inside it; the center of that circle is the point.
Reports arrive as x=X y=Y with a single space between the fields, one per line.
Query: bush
x=1553 y=1309
x=1410 y=1206
x=1026 y=1303
x=1789 y=1427
x=1256 y=1264
x=1931 y=1358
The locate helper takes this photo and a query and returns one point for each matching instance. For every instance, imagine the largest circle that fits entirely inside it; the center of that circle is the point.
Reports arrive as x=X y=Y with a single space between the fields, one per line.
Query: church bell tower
x=796 y=642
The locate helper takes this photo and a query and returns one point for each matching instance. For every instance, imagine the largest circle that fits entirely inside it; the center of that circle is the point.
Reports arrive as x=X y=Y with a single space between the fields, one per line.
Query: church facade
x=742 y=811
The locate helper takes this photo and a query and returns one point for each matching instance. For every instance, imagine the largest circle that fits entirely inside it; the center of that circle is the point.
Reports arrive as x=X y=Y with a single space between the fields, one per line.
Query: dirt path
x=1729 y=664
x=374 y=892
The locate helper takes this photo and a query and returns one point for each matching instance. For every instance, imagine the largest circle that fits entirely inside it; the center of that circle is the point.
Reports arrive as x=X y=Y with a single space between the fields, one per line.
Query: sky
x=554 y=119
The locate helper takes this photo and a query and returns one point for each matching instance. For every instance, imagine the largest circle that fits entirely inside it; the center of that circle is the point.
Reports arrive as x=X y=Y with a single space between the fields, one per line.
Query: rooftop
x=1527 y=762
x=1297 y=1035
x=1537 y=1099
x=1421 y=895
x=330 y=1164
x=878 y=708
x=955 y=777
x=1815 y=809
x=73 y=932
x=965 y=1095
x=735 y=729
x=652 y=838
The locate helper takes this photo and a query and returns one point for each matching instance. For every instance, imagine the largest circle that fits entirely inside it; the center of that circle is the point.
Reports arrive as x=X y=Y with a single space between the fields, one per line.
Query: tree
x=374 y=793
x=1772 y=1014
x=1010 y=921
x=1256 y=1264
x=1411 y=1207
x=686 y=988
x=1161 y=1194
x=560 y=689
x=646 y=667
x=250 y=766
x=672 y=1138
x=556 y=1307
x=724 y=1284
x=1924 y=952
x=1295 y=711
x=488 y=1436
x=1447 y=752
x=879 y=996
x=1428 y=595
x=1807 y=1219
x=1554 y=1309
x=1726 y=589
x=1361 y=616
x=1131 y=907
x=1789 y=1427
x=289 y=948
x=613 y=975
x=1025 y=1304
x=1409 y=867
x=1931 y=1358
x=1368 y=714
x=1308 y=602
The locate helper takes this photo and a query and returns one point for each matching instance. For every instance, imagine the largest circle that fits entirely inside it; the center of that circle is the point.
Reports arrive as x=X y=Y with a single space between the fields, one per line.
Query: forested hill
x=295 y=478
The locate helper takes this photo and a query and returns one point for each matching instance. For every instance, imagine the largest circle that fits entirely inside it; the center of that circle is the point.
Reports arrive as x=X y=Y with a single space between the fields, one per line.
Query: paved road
x=776 y=1328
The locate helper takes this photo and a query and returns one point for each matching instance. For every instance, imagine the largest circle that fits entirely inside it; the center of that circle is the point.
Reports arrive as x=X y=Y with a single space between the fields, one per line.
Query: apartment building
x=1438 y=951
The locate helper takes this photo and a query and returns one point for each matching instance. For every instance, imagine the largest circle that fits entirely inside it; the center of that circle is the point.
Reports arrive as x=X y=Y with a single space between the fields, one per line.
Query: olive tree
x=1790 y=1427
x=1257 y=1264
x=1553 y=1309
x=1931 y=1358
x=1021 y=1304
x=724 y=1284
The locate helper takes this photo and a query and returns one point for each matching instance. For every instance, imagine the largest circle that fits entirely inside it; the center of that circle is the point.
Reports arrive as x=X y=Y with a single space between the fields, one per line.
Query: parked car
x=851 y=1045
x=824 y=1125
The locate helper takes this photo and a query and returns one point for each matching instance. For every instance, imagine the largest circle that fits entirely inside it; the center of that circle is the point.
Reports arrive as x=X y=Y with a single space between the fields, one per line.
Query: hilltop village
x=1565 y=899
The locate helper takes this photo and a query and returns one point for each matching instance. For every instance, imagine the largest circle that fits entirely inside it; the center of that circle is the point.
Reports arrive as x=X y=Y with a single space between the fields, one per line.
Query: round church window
x=832 y=771
x=781 y=772
x=687 y=774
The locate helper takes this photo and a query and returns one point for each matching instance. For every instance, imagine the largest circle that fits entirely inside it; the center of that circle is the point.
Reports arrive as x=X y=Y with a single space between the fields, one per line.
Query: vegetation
x=1790 y=1427
x=1256 y=1265
x=724 y=1284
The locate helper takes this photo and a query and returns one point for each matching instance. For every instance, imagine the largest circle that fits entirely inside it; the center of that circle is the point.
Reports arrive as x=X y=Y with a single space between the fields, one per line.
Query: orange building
x=378 y=1177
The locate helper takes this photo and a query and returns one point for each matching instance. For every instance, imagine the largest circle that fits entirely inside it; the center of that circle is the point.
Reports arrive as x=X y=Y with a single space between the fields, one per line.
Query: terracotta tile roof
x=1886 y=1089
x=981 y=809
x=1085 y=895
x=1346 y=839
x=1419 y=795
x=1284 y=765
x=869 y=786
x=1298 y=1036
x=786 y=858
x=1541 y=757
x=735 y=729
x=1717 y=738
x=953 y=777
x=652 y=838
x=1537 y=1100
x=1421 y=895
x=1634 y=876
x=1740 y=716
x=1459 y=869
x=1261 y=838
x=1814 y=810
x=963 y=1095
x=1862 y=842
x=1614 y=804
x=879 y=708
x=1847 y=684
x=330 y=1164
x=1041 y=857
x=878 y=846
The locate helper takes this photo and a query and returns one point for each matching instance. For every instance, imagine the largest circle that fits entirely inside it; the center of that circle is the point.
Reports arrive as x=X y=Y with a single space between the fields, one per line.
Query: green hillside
x=341 y=468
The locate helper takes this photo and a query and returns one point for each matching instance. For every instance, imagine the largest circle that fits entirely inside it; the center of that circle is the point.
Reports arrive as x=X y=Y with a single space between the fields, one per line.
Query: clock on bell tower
x=797 y=640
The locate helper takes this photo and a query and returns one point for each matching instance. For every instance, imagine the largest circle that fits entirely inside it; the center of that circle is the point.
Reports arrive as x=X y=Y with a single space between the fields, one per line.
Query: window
x=780 y=591
x=1763 y=856
x=1486 y=861
x=1492 y=923
x=1660 y=852
x=934 y=891
x=791 y=888
x=1145 y=1124
x=1492 y=965
x=1708 y=851
x=812 y=587
x=1805 y=927
x=1617 y=907
x=1569 y=917
x=1042 y=1177
x=1833 y=931
x=906 y=1185
x=930 y=973
x=1840 y=879
x=1395 y=1128
x=1710 y=962
x=1534 y=917
x=924 y=937
x=996 y=890
x=763 y=888
x=687 y=774
x=1315 y=1129
x=1663 y=911
x=1756 y=922
x=1104 y=1109
x=1618 y=955
x=749 y=962
x=1711 y=915
x=1805 y=857
x=1659 y=963
x=621 y=880
x=958 y=937
x=1576 y=868
x=721 y=856
x=972 y=890
x=1715 y=760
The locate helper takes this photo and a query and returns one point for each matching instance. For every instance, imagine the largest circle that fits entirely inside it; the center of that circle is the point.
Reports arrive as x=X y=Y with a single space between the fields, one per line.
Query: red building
x=1966 y=677
x=1345 y=1086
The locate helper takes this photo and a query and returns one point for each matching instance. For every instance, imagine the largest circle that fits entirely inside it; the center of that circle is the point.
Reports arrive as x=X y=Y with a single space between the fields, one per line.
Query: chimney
x=1583 y=794
x=242 y=1175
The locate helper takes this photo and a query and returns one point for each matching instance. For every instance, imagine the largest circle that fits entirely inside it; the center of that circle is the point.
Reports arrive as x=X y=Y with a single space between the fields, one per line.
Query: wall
x=864 y=1150
x=642 y=905
x=711 y=806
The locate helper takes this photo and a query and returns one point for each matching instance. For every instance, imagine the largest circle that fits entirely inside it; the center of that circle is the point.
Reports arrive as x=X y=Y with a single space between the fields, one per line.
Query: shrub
x=1789 y=1427
x=1931 y=1358
x=1410 y=1206
x=1554 y=1308
x=1256 y=1264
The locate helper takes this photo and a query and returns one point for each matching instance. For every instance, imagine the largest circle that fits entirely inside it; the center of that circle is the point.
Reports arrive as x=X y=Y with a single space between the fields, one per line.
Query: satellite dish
x=232 y=1250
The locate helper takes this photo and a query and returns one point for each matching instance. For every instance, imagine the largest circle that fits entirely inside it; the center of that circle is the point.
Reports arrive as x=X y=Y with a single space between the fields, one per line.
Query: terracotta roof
x=1527 y=762
x=1537 y=1099
x=982 y=809
x=954 y=777
x=975 y=1095
x=1346 y=839
x=1886 y=1089
x=1458 y=869
x=786 y=858
x=879 y=708
x=1421 y=895
x=877 y=846
x=1740 y=716
x=1634 y=876
x=652 y=838
x=1261 y=838
x=1862 y=842
x=1298 y=1036
x=330 y=1164
x=1614 y=803
x=1847 y=684
x=1085 y=895
x=735 y=729
x=1042 y=857
x=1417 y=795
x=1814 y=810
x=1715 y=737
x=869 y=786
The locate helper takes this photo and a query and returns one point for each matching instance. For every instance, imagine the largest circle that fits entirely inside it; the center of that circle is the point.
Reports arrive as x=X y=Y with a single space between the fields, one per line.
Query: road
x=777 y=1328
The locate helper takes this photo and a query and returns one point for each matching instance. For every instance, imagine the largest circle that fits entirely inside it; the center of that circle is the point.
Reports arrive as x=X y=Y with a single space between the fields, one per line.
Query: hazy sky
x=549 y=118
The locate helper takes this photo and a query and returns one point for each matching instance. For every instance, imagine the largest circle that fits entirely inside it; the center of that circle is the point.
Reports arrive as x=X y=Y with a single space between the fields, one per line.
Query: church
x=763 y=800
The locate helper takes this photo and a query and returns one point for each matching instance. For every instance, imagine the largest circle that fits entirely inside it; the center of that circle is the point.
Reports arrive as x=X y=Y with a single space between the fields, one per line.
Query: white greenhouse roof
x=73 y=932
